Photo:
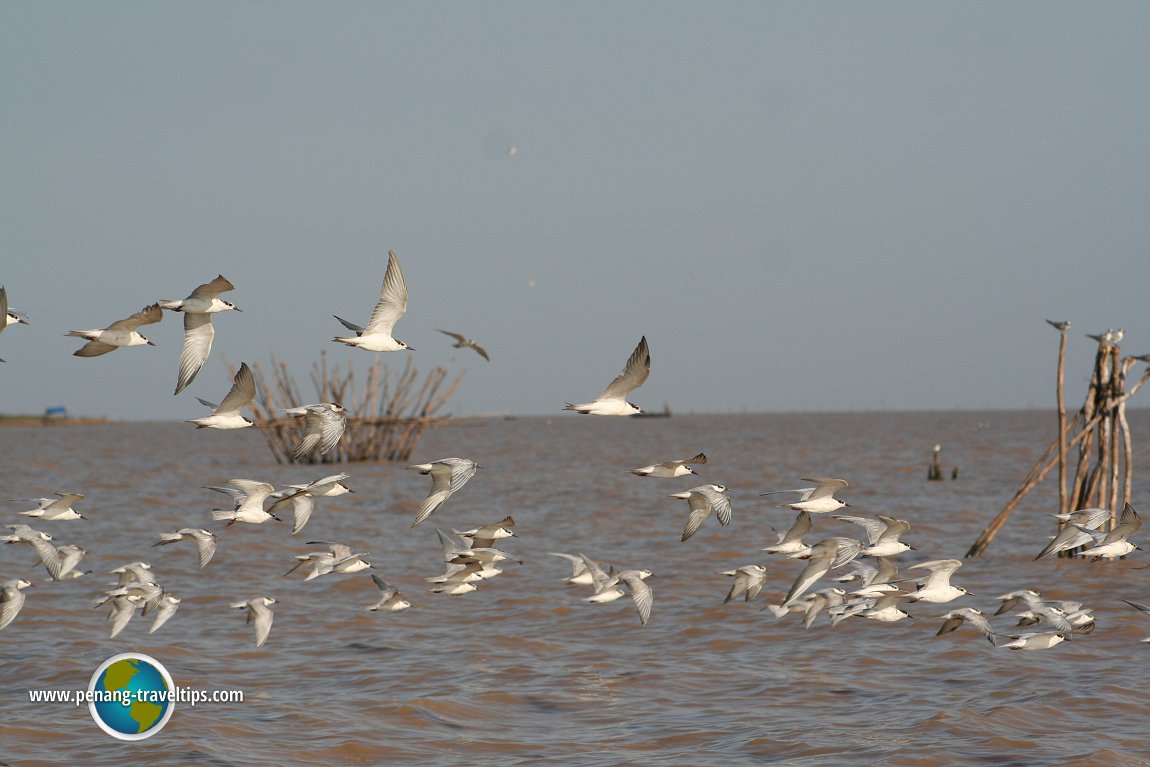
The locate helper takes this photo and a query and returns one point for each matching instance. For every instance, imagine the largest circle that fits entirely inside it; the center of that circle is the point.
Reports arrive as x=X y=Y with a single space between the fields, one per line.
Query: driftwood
x=1104 y=435
x=386 y=416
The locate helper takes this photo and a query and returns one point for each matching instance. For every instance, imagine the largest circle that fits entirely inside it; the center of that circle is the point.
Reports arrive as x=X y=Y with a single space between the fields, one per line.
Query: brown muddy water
x=523 y=672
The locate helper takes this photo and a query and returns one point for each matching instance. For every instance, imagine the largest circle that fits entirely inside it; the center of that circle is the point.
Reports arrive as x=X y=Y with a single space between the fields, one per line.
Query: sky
x=825 y=206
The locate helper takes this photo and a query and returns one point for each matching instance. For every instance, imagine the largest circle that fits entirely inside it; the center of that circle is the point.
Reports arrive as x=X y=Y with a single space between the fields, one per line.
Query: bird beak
x=150 y=343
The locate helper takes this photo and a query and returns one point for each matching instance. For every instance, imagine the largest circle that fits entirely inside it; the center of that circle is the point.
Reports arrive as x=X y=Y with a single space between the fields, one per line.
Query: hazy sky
x=804 y=206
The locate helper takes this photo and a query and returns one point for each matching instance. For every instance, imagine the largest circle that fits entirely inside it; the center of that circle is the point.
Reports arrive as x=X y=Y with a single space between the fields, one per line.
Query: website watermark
x=128 y=697
x=131 y=696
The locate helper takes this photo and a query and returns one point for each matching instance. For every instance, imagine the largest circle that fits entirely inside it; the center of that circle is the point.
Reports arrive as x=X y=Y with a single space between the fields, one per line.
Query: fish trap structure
x=1104 y=464
x=386 y=412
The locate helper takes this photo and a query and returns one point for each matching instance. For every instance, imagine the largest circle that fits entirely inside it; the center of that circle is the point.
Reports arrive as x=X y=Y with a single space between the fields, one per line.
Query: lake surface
x=523 y=672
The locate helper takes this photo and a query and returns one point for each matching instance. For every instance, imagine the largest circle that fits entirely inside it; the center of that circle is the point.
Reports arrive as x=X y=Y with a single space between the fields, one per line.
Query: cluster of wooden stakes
x=1103 y=467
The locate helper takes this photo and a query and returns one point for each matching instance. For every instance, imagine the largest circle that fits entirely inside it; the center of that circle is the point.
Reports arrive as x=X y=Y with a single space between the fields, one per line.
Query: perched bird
x=119 y=333
x=670 y=468
x=392 y=305
x=613 y=400
x=1109 y=338
x=447 y=476
x=198 y=309
x=226 y=415
x=882 y=535
x=817 y=500
x=205 y=541
x=1072 y=535
x=937 y=588
x=463 y=342
x=323 y=425
x=259 y=613
x=1114 y=544
x=955 y=618
x=11 y=599
x=54 y=509
x=702 y=500
x=1061 y=327
x=249 y=505
x=390 y=600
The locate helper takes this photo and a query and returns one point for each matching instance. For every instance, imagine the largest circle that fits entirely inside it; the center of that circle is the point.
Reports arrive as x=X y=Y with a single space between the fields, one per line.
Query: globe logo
x=130 y=696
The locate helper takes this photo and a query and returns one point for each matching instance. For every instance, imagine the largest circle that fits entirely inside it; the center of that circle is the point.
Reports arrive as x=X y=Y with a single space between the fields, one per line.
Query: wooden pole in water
x=935 y=470
x=1062 y=498
x=1099 y=403
x=1127 y=446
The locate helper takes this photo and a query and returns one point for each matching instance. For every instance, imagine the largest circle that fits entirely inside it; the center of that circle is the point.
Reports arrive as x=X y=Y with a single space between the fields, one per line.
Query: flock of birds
x=870 y=589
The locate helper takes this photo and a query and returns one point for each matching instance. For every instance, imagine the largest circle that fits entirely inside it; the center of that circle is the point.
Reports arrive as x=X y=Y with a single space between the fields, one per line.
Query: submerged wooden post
x=935 y=470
